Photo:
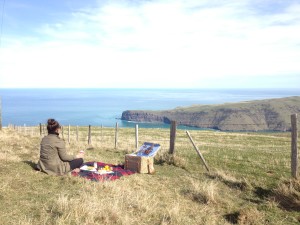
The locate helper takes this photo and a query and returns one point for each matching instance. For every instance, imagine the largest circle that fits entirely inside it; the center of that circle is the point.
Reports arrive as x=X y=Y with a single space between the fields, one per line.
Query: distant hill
x=258 y=115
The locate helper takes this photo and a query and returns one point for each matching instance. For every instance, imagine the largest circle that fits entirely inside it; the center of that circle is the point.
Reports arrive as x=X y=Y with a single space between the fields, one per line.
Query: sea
x=104 y=107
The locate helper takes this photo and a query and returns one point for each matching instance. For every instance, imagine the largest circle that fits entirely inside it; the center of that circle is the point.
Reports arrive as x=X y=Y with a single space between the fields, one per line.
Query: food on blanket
x=146 y=149
x=106 y=168
x=90 y=167
x=149 y=149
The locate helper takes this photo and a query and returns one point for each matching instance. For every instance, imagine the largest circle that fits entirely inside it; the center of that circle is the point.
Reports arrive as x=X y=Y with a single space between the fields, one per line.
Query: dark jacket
x=53 y=156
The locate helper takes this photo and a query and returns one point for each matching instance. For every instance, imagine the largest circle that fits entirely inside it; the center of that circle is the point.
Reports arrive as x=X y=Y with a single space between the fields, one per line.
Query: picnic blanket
x=117 y=172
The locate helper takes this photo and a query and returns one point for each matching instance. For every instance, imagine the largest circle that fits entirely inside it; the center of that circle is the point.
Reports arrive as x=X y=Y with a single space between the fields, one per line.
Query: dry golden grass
x=287 y=194
x=244 y=186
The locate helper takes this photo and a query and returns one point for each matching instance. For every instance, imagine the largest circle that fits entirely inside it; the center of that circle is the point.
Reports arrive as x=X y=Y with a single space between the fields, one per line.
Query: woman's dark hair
x=52 y=125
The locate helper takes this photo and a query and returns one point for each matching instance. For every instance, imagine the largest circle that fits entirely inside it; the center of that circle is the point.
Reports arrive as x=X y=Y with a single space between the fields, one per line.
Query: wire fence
x=252 y=152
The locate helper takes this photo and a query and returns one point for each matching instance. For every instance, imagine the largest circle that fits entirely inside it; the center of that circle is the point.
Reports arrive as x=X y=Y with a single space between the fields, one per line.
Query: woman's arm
x=62 y=151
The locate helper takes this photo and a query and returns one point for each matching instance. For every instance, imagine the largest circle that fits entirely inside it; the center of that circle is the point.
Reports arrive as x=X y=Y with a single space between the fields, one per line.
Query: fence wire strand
x=218 y=148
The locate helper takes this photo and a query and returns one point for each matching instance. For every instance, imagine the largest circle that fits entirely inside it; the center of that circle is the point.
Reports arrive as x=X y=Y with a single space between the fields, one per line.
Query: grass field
x=249 y=180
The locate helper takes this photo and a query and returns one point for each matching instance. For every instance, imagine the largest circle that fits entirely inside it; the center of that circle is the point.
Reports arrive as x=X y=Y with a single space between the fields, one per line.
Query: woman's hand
x=80 y=154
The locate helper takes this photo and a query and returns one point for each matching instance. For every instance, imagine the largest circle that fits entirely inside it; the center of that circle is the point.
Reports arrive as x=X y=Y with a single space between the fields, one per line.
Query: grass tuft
x=230 y=181
x=251 y=216
x=246 y=216
x=171 y=159
x=287 y=194
x=205 y=192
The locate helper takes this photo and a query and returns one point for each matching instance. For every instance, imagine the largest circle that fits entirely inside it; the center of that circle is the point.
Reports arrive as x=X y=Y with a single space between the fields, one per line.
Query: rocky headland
x=257 y=115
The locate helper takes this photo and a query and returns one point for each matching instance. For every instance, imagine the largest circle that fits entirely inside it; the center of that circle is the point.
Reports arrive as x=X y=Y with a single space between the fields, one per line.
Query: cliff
x=259 y=115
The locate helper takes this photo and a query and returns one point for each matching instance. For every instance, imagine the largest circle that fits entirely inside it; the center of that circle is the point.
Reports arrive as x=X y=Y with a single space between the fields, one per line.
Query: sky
x=150 y=44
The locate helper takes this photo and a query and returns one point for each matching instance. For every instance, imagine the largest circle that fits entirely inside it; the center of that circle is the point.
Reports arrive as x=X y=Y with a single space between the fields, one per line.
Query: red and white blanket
x=117 y=172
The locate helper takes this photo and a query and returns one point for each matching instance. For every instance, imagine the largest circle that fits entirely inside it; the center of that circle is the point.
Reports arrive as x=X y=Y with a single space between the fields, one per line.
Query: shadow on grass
x=262 y=193
x=195 y=196
x=255 y=201
x=248 y=215
x=287 y=195
x=240 y=185
x=232 y=217
x=33 y=165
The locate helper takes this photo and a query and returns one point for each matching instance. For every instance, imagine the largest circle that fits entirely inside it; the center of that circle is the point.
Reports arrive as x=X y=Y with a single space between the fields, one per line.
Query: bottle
x=95 y=165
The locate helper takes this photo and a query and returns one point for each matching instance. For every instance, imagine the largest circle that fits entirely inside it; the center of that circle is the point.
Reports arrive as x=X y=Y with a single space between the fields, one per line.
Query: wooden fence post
x=40 y=129
x=69 y=131
x=136 y=136
x=197 y=150
x=89 y=136
x=294 y=155
x=172 y=137
x=116 y=135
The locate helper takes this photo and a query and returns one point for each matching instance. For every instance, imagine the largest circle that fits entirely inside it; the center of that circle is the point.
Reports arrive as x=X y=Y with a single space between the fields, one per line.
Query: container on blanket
x=142 y=161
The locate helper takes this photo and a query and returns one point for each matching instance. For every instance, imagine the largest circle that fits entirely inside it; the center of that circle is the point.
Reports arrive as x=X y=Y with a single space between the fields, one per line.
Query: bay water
x=104 y=107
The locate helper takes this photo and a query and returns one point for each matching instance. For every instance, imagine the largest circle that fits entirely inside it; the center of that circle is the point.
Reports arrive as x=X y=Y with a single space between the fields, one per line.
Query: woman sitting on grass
x=54 y=159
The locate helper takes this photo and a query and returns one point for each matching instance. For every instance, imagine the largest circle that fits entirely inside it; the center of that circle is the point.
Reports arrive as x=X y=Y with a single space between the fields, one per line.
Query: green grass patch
x=248 y=182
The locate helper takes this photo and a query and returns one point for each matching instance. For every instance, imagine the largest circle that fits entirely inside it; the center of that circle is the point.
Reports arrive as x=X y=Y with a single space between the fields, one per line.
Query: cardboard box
x=139 y=164
x=142 y=160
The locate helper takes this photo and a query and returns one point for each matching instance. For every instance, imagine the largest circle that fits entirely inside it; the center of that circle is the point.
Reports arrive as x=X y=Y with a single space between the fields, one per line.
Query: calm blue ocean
x=98 y=107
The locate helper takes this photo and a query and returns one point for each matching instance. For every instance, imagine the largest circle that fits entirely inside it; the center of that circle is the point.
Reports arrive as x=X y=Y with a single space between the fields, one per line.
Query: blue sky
x=150 y=43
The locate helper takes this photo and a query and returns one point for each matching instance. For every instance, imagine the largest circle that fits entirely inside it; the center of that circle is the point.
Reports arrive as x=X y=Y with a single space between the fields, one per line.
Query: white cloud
x=156 y=43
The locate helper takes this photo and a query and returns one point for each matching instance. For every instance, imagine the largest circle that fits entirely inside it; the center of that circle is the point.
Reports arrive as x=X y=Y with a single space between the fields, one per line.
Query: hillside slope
x=258 y=115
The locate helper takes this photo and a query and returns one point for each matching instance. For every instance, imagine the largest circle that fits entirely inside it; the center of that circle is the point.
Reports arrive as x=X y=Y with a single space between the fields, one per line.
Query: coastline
x=95 y=106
